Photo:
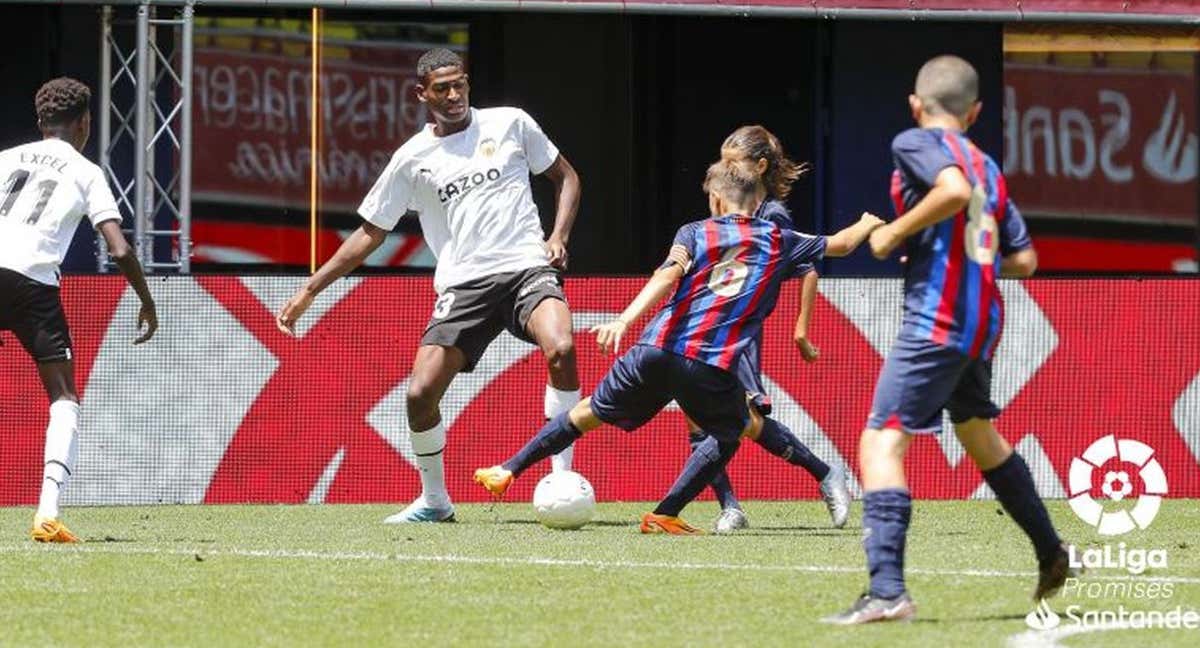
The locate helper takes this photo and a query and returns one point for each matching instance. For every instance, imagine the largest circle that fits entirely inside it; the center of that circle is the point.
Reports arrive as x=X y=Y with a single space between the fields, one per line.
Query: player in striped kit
x=961 y=231
x=760 y=147
x=726 y=273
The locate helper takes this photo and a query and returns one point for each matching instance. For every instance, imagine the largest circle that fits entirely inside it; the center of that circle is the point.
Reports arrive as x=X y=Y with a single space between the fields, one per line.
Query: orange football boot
x=654 y=523
x=51 y=530
x=495 y=479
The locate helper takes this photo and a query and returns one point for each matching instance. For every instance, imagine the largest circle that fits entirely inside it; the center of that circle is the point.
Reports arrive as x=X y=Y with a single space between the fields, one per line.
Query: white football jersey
x=46 y=187
x=471 y=191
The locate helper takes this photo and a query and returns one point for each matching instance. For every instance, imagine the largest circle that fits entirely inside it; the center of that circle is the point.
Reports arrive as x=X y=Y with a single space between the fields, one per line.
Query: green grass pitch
x=334 y=575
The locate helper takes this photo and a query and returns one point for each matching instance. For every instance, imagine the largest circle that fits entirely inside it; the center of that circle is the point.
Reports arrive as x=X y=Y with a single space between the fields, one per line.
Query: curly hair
x=61 y=101
x=757 y=143
x=436 y=59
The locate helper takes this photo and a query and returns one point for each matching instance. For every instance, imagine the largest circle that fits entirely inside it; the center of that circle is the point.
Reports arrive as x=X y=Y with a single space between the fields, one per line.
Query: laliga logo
x=1042 y=617
x=1117 y=485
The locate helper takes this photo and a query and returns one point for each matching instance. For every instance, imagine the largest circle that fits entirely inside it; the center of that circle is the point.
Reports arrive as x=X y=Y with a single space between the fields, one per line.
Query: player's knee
x=422 y=399
x=560 y=351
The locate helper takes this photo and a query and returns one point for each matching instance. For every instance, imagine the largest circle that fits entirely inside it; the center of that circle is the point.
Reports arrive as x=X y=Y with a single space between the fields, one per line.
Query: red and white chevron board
x=220 y=407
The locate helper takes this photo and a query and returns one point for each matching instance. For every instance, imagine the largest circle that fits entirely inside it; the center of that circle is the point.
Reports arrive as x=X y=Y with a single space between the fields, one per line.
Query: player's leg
x=716 y=401
x=39 y=323
x=972 y=411
x=557 y=434
x=627 y=397
x=434 y=368
x=465 y=320
x=732 y=516
x=549 y=324
x=916 y=381
x=777 y=439
x=61 y=450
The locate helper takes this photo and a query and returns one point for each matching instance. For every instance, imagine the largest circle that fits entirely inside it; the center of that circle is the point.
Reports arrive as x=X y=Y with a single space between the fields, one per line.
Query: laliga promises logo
x=1117 y=485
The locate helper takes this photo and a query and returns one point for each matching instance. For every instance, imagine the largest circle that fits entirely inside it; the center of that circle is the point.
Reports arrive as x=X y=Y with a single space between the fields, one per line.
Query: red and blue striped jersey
x=951 y=295
x=731 y=285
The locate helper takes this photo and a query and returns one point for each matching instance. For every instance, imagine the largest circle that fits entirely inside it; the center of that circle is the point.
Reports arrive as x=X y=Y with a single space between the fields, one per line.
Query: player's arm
x=353 y=251
x=949 y=194
x=1018 y=259
x=1019 y=265
x=567 y=189
x=808 y=301
x=847 y=240
x=661 y=283
x=122 y=254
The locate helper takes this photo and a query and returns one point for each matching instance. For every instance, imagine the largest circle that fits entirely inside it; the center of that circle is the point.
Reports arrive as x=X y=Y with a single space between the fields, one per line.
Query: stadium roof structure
x=1103 y=11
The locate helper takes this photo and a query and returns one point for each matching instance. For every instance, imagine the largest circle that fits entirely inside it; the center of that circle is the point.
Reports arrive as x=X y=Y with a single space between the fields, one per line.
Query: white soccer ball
x=564 y=500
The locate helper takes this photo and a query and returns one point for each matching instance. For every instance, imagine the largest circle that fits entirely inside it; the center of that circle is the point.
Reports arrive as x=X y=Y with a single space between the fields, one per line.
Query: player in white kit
x=48 y=187
x=467 y=177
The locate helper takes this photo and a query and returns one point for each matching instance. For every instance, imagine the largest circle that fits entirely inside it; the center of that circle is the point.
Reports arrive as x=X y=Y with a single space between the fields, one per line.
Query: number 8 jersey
x=47 y=188
x=733 y=267
x=950 y=292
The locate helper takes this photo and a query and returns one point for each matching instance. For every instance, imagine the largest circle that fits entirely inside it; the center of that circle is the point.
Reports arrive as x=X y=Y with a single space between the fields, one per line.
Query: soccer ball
x=564 y=500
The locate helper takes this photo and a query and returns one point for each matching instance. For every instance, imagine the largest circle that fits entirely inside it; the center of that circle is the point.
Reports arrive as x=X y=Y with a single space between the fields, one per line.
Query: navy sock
x=720 y=484
x=779 y=441
x=1013 y=485
x=708 y=458
x=558 y=433
x=886 y=514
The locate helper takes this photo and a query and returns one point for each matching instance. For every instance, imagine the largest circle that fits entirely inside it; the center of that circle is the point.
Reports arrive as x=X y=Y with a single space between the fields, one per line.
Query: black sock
x=779 y=441
x=886 y=514
x=1013 y=485
x=720 y=484
x=708 y=458
x=555 y=435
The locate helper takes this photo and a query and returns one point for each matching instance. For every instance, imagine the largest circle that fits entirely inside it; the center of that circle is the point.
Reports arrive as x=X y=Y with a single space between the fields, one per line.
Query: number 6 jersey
x=48 y=187
x=950 y=292
x=733 y=267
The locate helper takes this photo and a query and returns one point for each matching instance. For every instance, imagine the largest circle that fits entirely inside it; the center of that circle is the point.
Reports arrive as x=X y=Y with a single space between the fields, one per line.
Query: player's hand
x=871 y=219
x=608 y=336
x=808 y=350
x=883 y=242
x=148 y=318
x=557 y=250
x=285 y=321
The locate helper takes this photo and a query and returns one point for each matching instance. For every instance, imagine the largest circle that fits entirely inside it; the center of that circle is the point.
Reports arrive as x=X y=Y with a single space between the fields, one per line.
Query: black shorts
x=470 y=315
x=33 y=312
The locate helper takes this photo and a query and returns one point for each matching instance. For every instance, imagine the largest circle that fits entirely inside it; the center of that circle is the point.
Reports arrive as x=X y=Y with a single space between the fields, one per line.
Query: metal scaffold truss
x=146 y=130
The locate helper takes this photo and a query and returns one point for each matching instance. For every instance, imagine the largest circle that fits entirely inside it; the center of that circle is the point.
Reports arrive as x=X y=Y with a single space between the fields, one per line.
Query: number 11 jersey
x=46 y=188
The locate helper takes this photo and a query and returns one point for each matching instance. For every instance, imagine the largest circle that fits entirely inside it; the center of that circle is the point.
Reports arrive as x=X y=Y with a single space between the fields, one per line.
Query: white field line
x=373 y=556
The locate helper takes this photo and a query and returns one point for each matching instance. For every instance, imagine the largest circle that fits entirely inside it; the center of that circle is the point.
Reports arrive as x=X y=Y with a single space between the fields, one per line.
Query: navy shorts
x=646 y=378
x=749 y=371
x=921 y=378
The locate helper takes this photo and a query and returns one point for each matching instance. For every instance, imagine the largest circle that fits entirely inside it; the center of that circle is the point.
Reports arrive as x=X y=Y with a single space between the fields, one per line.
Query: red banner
x=1102 y=144
x=252 y=115
x=220 y=407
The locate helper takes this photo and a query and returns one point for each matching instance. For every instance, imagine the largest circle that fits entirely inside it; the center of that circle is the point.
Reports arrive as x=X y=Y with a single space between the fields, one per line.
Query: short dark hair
x=61 y=101
x=436 y=59
x=948 y=84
